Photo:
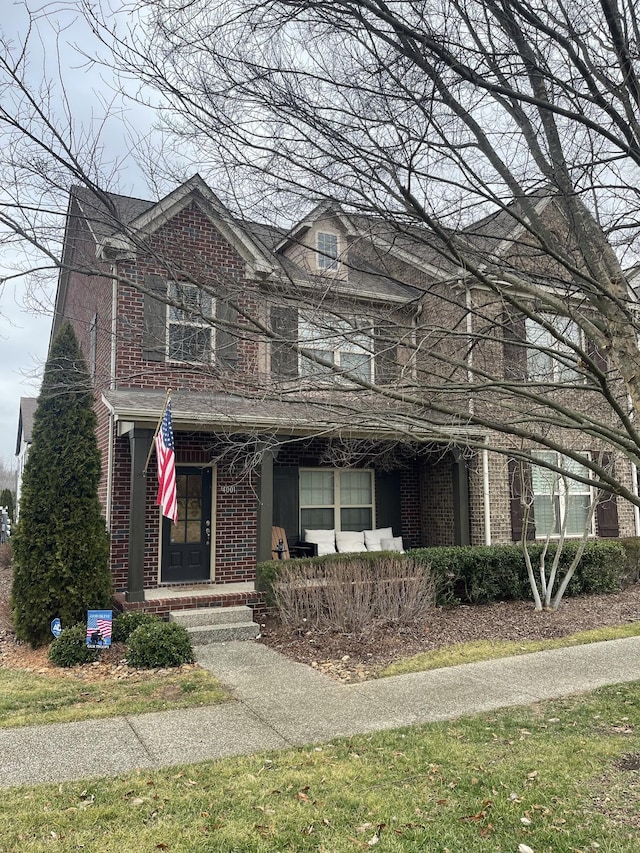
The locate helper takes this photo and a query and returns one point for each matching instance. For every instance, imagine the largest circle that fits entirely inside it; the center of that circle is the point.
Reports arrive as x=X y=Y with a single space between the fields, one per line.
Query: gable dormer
x=319 y=244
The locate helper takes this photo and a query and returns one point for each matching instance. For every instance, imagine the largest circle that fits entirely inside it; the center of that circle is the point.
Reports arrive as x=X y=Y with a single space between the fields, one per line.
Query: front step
x=217 y=624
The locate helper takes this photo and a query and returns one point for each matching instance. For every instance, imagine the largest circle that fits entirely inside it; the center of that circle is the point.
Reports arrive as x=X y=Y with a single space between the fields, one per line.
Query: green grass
x=537 y=776
x=30 y=699
x=491 y=649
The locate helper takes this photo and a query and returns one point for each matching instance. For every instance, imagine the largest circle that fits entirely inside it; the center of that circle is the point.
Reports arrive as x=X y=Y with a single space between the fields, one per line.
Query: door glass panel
x=193 y=529
x=194 y=509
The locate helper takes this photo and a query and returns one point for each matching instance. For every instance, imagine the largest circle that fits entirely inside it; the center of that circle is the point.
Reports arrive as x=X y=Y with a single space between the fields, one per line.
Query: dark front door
x=186 y=546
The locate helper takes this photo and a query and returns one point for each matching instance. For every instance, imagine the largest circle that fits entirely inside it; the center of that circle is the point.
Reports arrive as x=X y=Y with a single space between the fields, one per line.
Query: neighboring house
x=23 y=442
x=264 y=435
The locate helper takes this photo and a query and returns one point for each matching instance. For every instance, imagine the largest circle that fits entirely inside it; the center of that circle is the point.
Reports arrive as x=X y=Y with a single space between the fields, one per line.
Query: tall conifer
x=60 y=547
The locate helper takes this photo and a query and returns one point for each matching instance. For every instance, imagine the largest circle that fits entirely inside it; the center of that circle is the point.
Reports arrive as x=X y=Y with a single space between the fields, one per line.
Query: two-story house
x=256 y=331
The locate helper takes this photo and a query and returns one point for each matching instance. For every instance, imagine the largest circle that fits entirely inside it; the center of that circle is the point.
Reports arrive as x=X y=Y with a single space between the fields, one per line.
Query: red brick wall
x=192 y=248
x=88 y=296
x=235 y=518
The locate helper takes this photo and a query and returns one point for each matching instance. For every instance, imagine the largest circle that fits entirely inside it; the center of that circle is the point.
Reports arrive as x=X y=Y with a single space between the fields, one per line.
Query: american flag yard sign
x=99 y=623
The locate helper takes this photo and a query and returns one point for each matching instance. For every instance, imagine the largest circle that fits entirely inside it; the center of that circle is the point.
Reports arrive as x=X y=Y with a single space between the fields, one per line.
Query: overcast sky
x=25 y=328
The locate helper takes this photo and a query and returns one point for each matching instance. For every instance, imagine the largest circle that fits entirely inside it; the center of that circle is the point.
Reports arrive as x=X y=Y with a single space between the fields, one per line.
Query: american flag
x=166 y=468
x=103 y=627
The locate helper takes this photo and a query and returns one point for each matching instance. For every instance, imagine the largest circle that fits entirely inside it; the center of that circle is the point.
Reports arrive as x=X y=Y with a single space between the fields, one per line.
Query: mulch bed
x=350 y=657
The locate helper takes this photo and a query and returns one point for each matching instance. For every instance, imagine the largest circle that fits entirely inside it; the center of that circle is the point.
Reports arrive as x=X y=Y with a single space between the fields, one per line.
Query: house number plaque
x=228 y=490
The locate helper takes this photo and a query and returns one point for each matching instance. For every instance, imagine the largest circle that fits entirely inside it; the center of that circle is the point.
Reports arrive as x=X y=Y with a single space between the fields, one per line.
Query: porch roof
x=230 y=413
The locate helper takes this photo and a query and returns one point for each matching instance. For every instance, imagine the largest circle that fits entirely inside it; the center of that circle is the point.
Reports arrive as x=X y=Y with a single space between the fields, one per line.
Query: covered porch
x=352 y=478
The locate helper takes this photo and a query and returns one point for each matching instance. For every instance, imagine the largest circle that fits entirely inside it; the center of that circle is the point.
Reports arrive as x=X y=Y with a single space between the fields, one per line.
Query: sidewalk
x=282 y=704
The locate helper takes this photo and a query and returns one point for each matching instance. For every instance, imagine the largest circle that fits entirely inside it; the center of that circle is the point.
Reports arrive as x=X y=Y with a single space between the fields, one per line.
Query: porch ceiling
x=229 y=413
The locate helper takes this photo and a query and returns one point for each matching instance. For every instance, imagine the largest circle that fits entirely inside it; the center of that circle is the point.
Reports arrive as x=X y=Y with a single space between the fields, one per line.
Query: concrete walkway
x=282 y=704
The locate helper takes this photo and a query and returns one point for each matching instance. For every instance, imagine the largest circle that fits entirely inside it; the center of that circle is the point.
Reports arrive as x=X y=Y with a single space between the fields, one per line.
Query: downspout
x=634 y=489
x=486 y=496
x=112 y=386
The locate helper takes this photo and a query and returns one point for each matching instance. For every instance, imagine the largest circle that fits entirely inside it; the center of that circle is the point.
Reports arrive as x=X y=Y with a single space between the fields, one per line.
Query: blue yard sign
x=99 y=623
x=56 y=627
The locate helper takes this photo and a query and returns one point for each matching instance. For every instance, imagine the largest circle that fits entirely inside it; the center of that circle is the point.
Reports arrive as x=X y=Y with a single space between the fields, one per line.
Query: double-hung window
x=336 y=499
x=549 y=359
x=559 y=500
x=348 y=345
x=327 y=251
x=189 y=332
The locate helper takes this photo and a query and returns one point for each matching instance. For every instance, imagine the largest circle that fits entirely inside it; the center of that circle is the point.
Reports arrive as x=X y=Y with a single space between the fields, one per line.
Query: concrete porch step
x=217 y=624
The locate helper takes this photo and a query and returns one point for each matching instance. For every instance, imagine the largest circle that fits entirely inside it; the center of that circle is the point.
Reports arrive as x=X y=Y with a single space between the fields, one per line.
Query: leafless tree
x=422 y=120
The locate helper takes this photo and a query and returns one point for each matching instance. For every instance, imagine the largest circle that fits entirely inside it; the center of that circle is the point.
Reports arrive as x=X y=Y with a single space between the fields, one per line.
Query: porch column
x=460 y=478
x=265 y=508
x=139 y=443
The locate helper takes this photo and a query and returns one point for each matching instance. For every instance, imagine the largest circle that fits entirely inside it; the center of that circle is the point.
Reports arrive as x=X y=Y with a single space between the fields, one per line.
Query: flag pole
x=155 y=435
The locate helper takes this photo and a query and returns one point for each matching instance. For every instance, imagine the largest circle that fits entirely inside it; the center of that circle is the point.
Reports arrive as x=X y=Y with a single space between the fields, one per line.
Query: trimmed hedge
x=482 y=574
x=632 y=570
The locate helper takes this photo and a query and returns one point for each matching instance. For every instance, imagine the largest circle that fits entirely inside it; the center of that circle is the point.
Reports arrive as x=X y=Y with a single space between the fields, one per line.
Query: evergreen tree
x=6 y=499
x=60 y=546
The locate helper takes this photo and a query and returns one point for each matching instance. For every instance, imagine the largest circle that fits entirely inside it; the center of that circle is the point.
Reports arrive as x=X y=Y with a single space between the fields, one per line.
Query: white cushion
x=394 y=543
x=372 y=537
x=324 y=539
x=350 y=541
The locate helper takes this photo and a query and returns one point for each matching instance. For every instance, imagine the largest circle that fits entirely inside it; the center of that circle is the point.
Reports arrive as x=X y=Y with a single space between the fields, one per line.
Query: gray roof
x=28 y=407
x=107 y=212
x=370 y=277
x=228 y=413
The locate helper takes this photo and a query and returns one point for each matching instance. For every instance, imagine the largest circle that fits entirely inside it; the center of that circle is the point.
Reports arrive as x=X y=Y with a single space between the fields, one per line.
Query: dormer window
x=327 y=251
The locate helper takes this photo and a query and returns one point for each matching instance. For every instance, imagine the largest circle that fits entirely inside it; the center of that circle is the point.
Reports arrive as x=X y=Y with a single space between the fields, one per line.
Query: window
x=327 y=254
x=558 y=500
x=345 y=344
x=336 y=499
x=189 y=332
x=548 y=359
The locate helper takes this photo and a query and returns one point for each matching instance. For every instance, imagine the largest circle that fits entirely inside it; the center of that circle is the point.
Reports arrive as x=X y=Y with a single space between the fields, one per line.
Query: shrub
x=70 y=648
x=482 y=574
x=159 y=644
x=631 y=573
x=126 y=623
x=353 y=594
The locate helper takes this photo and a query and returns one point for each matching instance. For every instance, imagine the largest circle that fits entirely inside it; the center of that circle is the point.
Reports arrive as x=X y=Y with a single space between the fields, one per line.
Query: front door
x=186 y=546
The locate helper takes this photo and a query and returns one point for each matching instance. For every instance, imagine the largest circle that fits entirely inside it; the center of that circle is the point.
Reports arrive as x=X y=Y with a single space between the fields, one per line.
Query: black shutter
x=154 y=332
x=607 y=510
x=284 y=323
x=226 y=334
x=286 y=501
x=596 y=355
x=385 y=347
x=388 y=504
x=519 y=484
x=514 y=336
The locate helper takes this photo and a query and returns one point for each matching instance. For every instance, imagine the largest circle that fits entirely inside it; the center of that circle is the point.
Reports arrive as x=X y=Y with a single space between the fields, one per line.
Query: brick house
x=265 y=435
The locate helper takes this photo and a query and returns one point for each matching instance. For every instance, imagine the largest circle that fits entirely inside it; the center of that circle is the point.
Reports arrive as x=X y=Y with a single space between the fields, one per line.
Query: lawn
x=27 y=698
x=480 y=650
x=559 y=777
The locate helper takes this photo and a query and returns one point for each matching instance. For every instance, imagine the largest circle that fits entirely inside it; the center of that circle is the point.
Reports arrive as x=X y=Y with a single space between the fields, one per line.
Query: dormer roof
x=325 y=210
